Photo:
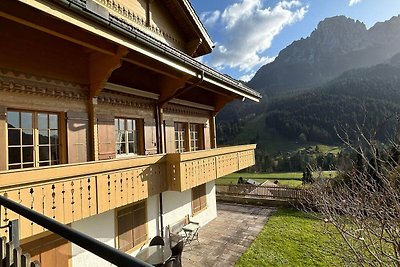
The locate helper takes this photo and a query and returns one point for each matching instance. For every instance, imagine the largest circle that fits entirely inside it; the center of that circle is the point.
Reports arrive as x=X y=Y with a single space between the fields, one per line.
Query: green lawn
x=284 y=178
x=291 y=238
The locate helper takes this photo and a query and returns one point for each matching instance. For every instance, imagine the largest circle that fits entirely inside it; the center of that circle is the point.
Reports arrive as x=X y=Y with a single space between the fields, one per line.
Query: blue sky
x=250 y=33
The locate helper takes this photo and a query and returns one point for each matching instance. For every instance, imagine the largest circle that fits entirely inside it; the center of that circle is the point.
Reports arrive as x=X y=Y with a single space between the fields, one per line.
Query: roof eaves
x=127 y=29
x=198 y=22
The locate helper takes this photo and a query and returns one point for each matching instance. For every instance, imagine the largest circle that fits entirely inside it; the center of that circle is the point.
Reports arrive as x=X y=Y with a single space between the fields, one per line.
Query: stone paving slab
x=223 y=240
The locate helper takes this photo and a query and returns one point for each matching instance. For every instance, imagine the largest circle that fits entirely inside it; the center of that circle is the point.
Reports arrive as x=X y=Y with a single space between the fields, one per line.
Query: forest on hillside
x=367 y=98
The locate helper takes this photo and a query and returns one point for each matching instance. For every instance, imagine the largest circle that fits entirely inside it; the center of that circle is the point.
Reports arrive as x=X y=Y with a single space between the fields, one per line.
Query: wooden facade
x=88 y=111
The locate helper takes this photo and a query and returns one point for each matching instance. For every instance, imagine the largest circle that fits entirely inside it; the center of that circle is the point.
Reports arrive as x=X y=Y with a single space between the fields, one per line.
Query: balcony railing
x=190 y=169
x=71 y=192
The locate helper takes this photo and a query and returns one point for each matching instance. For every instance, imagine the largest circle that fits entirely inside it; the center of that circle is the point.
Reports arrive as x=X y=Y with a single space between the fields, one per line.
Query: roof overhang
x=129 y=37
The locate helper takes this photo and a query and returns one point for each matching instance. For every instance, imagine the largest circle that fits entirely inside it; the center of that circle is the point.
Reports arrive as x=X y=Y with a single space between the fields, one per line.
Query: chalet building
x=107 y=121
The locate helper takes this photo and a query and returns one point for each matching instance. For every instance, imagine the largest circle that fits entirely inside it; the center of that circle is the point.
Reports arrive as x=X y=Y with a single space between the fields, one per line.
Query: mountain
x=337 y=44
x=368 y=97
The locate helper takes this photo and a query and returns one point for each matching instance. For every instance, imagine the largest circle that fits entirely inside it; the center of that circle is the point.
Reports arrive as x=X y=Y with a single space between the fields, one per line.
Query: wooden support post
x=213 y=134
x=170 y=87
x=101 y=67
x=3 y=138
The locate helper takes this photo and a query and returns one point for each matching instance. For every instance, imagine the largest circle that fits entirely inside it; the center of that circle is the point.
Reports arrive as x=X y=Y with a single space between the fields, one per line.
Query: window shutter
x=206 y=136
x=105 y=136
x=150 y=137
x=199 y=198
x=195 y=200
x=203 y=196
x=139 y=217
x=3 y=138
x=169 y=136
x=125 y=229
x=77 y=136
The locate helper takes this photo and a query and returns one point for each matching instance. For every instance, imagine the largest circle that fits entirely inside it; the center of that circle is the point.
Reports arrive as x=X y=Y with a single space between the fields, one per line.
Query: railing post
x=17 y=254
x=3 y=251
x=9 y=254
x=14 y=232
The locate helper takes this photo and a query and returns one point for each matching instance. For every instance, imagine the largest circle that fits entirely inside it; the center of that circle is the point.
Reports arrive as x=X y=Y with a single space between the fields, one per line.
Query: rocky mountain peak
x=336 y=45
x=335 y=35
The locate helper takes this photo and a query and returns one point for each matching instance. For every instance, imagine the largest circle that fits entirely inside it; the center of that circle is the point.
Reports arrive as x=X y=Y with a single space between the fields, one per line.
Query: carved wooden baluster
x=109 y=190
x=72 y=200
x=89 y=196
x=121 y=190
x=53 y=196
x=6 y=215
x=31 y=191
x=81 y=197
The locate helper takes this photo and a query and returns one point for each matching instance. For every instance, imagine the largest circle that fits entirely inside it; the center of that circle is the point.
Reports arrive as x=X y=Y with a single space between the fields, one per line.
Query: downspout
x=161 y=148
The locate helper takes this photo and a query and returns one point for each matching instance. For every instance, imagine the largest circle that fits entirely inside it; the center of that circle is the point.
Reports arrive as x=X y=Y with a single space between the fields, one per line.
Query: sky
x=250 y=33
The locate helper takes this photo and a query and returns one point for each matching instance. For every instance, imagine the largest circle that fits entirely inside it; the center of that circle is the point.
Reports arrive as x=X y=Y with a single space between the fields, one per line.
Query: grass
x=291 y=238
x=284 y=178
x=272 y=142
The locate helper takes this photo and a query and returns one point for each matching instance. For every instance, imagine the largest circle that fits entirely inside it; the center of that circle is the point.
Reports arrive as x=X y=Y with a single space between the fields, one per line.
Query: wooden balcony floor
x=227 y=237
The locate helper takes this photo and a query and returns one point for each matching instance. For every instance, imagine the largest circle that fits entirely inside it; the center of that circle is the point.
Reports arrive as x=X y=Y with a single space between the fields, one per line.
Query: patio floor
x=224 y=239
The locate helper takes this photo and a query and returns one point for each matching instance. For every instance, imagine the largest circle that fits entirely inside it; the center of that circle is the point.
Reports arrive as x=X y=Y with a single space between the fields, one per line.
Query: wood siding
x=77 y=137
x=190 y=169
x=106 y=136
x=72 y=192
x=151 y=18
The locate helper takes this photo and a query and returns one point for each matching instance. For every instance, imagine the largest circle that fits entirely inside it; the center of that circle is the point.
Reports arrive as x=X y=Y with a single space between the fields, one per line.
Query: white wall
x=100 y=227
x=176 y=205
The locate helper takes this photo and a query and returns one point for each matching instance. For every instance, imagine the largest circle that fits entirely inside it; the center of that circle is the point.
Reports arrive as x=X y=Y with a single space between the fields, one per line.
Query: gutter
x=140 y=37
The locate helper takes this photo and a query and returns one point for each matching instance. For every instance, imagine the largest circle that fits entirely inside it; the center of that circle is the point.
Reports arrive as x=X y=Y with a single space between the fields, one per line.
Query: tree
x=363 y=202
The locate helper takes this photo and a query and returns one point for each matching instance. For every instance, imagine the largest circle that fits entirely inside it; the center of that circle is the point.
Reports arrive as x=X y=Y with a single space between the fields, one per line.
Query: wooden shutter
x=140 y=229
x=106 y=136
x=125 y=228
x=3 y=138
x=206 y=136
x=77 y=136
x=150 y=136
x=203 y=196
x=169 y=136
x=195 y=200
x=199 y=198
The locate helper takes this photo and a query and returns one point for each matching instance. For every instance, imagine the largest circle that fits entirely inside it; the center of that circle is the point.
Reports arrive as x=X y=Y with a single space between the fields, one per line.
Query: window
x=132 y=227
x=196 y=137
x=33 y=139
x=126 y=136
x=199 y=198
x=180 y=137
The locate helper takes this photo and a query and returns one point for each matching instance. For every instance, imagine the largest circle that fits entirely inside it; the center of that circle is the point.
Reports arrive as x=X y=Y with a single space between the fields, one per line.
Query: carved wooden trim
x=18 y=82
x=178 y=109
x=136 y=19
x=116 y=99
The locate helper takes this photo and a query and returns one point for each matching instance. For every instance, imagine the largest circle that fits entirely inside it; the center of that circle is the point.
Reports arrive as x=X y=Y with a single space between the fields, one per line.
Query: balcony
x=190 y=169
x=72 y=192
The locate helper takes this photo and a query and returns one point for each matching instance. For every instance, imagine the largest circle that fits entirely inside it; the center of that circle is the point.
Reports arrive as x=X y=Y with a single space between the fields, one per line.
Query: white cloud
x=248 y=29
x=210 y=18
x=247 y=77
x=354 y=2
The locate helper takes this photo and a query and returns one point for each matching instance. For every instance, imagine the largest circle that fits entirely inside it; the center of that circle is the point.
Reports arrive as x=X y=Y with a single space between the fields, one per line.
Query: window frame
x=137 y=137
x=199 y=130
x=36 y=141
x=181 y=137
x=116 y=216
